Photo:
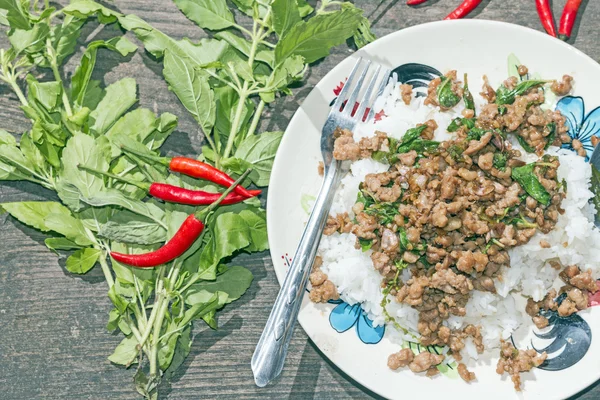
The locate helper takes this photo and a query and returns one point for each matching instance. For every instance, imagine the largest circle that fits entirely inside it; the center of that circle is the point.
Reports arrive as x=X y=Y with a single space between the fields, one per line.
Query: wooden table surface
x=53 y=341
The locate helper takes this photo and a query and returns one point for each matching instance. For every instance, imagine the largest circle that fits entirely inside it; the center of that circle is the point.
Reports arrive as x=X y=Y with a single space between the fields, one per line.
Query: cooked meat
x=406 y=93
x=515 y=361
x=323 y=289
x=400 y=359
x=584 y=281
x=563 y=87
x=540 y=321
x=429 y=131
x=344 y=147
x=488 y=92
x=322 y=294
x=340 y=223
x=465 y=373
x=424 y=361
x=321 y=168
x=522 y=70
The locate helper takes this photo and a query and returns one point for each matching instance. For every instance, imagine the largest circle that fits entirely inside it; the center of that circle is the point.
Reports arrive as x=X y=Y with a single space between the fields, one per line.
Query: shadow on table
x=587 y=392
x=199 y=348
x=581 y=12
x=307 y=376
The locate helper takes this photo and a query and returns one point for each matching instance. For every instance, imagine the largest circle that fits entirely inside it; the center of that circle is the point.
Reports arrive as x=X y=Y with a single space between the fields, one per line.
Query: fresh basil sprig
x=228 y=80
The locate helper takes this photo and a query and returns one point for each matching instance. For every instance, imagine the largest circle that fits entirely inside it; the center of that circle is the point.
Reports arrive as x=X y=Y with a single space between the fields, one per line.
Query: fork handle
x=269 y=356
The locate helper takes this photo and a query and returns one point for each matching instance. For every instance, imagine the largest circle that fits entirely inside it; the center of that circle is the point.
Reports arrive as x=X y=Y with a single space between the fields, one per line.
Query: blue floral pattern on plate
x=344 y=316
x=581 y=126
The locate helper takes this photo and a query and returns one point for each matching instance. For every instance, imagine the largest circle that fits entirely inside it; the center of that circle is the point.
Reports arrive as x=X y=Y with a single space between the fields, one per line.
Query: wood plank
x=54 y=343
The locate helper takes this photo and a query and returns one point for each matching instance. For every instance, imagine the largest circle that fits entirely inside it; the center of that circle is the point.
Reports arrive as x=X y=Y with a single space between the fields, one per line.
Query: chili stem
x=162 y=160
x=203 y=213
x=141 y=185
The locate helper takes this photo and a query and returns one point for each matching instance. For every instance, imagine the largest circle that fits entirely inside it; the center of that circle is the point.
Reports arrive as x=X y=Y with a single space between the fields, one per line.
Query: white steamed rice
x=575 y=240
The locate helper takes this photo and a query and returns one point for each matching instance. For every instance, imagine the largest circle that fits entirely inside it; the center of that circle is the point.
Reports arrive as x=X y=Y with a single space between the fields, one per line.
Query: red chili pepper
x=187 y=234
x=183 y=239
x=176 y=194
x=546 y=16
x=415 y=2
x=567 y=20
x=464 y=9
x=196 y=169
x=201 y=170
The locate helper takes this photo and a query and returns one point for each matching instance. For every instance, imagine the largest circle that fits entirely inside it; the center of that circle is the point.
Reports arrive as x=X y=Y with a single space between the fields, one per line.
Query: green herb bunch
x=225 y=82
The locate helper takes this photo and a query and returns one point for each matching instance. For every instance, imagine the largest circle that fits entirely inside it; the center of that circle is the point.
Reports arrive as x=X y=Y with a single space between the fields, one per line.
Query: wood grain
x=53 y=342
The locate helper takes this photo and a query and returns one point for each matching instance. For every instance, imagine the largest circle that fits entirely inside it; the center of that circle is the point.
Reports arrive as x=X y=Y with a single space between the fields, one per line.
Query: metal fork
x=269 y=356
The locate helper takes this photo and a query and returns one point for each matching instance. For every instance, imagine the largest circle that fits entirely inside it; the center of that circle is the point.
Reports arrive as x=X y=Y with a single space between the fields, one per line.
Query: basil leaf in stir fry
x=529 y=182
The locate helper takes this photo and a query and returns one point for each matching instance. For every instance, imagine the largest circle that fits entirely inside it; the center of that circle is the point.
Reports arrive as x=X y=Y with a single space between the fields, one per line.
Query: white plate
x=473 y=46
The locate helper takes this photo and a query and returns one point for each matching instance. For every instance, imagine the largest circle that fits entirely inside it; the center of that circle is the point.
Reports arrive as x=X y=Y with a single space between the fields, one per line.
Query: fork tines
x=348 y=106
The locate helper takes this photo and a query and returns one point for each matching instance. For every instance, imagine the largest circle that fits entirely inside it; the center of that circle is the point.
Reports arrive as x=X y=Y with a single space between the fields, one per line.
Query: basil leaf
x=55 y=244
x=420 y=146
x=256 y=220
x=234 y=281
x=120 y=96
x=81 y=84
x=86 y=8
x=412 y=134
x=182 y=349
x=126 y=352
x=83 y=150
x=114 y=197
x=208 y=14
x=526 y=178
x=191 y=86
x=46 y=94
x=365 y=244
x=499 y=161
x=82 y=260
x=7 y=138
x=506 y=96
x=314 y=38
x=128 y=227
x=66 y=36
x=524 y=144
x=227 y=102
x=446 y=97
x=467 y=96
x=15 y=15
x=552 y=135
x=285 y=15
x=34 y=213
x=404 y=242
x=216 y=301
x=68 y=226
x=229 y=234
x=32 y=154
x=30 y=40
x=259 y=152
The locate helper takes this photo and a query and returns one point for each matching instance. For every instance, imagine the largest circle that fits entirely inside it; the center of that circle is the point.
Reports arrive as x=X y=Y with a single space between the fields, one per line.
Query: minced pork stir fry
x=449 y=212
